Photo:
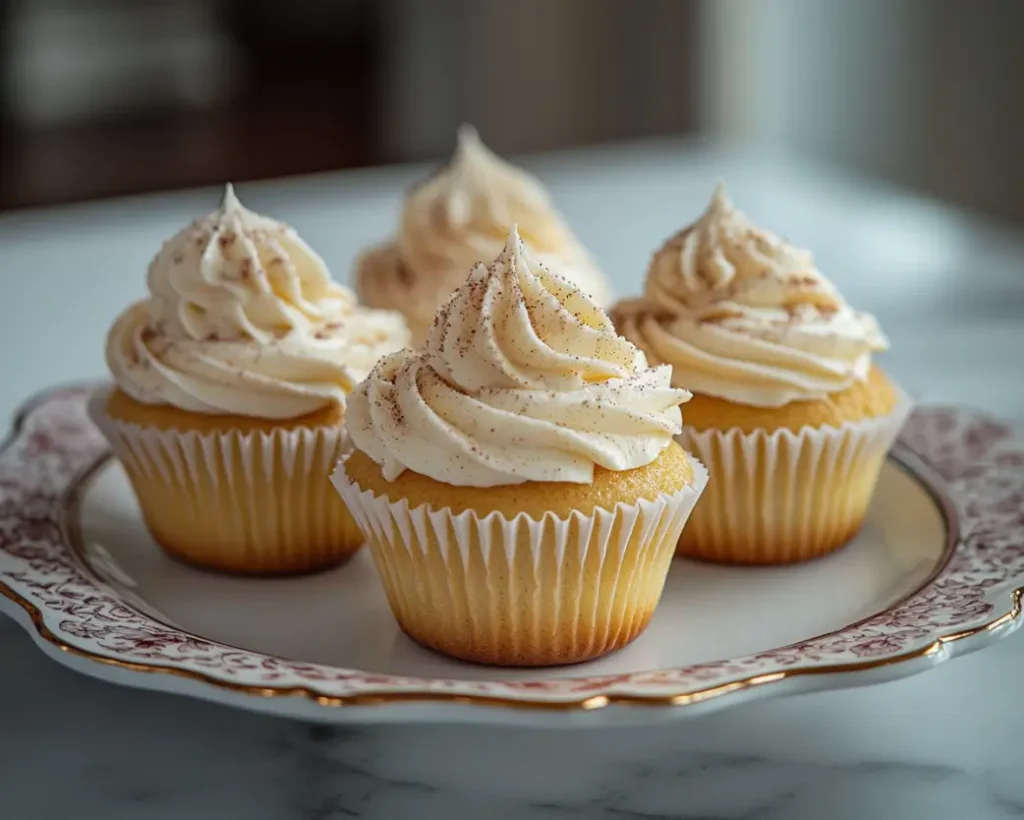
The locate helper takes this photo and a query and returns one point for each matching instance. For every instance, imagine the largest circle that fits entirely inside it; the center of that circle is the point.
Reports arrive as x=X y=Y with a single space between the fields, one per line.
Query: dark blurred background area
x=102 y=98
x=109 y=97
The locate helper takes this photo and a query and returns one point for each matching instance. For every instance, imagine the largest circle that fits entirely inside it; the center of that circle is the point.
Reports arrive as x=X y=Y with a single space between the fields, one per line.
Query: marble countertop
x=948 y=288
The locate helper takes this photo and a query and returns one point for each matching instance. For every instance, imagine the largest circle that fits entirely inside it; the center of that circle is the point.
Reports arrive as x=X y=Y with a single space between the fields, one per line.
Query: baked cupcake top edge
x=243 y=318
x=745 y=316
x=522 y=378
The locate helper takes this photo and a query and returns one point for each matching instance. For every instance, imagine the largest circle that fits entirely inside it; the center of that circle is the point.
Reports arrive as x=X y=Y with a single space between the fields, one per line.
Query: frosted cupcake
x=789 y=414
x=231 y=383
x=460 y=217
x=517 y=479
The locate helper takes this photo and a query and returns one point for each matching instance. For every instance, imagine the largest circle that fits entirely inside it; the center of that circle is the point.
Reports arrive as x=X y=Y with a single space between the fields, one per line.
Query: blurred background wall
x=927 y=93
x=109 y=97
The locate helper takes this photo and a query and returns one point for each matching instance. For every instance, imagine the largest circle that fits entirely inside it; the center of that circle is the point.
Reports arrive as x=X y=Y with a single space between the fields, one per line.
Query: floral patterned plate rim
x=968 y=463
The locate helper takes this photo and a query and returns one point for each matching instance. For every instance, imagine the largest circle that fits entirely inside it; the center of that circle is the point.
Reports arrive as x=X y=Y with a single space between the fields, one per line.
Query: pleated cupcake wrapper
x=522 y=591
x=782 y=496
x=255 y=502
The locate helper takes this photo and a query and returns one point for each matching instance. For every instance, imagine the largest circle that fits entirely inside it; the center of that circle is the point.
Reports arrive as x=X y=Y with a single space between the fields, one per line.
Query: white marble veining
x=940 y=745
x=948 y=289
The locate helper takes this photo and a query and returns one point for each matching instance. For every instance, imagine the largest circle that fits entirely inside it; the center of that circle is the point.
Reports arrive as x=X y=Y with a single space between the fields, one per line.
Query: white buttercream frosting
x=460 y=217
x=743 y=315
x=243 y=318
x=523 y=378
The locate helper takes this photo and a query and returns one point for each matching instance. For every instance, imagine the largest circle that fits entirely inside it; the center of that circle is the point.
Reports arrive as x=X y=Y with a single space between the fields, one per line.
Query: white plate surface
x=341 y=617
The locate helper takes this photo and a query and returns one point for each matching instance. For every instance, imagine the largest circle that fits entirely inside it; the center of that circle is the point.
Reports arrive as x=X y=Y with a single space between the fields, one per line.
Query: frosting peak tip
x=467 y=132
x=720 y=197
x=229 y=201
x=467 y=139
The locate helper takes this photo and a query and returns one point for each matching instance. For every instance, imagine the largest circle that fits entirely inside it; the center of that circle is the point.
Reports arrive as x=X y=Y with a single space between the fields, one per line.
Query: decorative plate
x=937 y=571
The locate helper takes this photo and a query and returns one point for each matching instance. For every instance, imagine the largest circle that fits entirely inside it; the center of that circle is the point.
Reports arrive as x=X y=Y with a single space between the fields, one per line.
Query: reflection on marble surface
x=937 y=745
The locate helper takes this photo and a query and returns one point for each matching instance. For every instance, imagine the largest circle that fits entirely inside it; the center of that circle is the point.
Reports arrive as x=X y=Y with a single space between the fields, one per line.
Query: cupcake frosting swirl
x=523 y=378
x=461 y=216
x=743 y=315
x=243 y=318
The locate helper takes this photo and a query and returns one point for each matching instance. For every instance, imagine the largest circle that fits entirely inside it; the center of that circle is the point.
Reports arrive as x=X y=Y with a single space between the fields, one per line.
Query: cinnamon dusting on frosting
x=218 y=334
x=522 y=378
x=458 y=217
x=743 y=315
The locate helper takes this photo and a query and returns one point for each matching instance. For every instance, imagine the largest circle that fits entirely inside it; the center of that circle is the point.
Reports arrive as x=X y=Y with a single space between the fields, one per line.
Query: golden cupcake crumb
x=669 y=473
x=873 y=397
x=122 y=407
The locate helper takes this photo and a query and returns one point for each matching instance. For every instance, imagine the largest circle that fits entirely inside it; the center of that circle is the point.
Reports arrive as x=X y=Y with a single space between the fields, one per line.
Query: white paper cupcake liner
x=522 y=591
x=257 y=502
x=786 y=496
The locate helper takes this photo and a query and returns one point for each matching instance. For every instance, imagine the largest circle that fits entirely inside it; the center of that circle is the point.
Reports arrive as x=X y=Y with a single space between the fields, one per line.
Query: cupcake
x=517 y=478
x=790 y=415
x=231 y=382
x=460 y=217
